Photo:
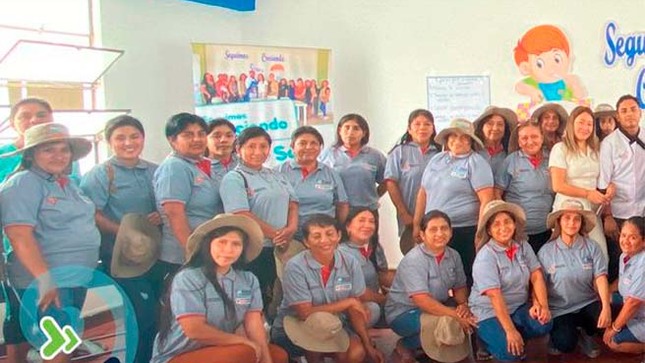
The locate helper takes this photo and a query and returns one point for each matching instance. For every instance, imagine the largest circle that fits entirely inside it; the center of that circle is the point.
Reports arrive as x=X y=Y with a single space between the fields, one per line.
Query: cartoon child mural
x=543 y=55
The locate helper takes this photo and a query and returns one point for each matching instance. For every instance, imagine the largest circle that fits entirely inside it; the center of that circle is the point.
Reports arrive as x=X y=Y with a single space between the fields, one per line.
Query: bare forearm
x=420 y=207
x=292 y=216
x=342 y=210
x=178 y=221
x=105 y=224
x=359 y=325
x=337 y=307
x=396 y=197
x=26 y=248
x=433 y=307
x=501 y=311
x=539 y=288
x=267 y=230
x=630 y=307
x=254 y=327
x=602 y=285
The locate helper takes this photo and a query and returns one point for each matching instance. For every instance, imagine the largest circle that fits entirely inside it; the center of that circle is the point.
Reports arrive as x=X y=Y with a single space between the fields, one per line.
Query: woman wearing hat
x=627 y=332
x=360 y=166
x=50 y=228
x=605 y=119
x=324 y=291
x=359 y=243
x=212 y=311
x=459 y=182
x=406 y=163
x=524 y=179
x=552 y=118
x=318 y=187
x=265 y=196
x=186 y=189
x=121 y=185
x=504 y=269
x=494 y=128
x=574 y=166
x=576 y=280
x=441 y=292
x=220 y=141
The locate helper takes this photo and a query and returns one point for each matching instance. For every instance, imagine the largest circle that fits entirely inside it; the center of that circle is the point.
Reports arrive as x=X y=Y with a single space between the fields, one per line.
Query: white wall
x=382 y=52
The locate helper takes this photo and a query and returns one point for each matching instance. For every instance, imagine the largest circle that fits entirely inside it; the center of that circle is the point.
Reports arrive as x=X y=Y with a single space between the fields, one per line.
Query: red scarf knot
x=325 y=272
x=510 y=252
x=492 y=151
x=366 y=252
x=205 y=166
x=440 y=257
x=63 y=181
x=535 y=161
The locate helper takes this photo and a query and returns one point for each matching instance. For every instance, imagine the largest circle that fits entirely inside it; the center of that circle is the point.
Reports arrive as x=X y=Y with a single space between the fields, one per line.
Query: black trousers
x=564 y=334
x=463 y=241
x=263 y=267
x=613 y=250
x=538 y=240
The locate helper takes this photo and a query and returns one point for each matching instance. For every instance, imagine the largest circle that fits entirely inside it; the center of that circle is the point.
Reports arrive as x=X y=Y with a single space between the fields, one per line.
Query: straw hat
x=52 y=132
x=571 y=205
x=283 y=254
x=493 y=207
x=248 y=225
x=559 y=110
x=136 y=247
x=604 y=109
x=510 y=118
x=321 y=332
x=460 y=126
x=443 y=339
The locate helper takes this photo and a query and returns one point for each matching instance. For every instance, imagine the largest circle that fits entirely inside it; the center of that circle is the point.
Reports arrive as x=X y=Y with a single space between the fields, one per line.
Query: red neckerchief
x=63 y=181
x=424 y=150
x=510 y=252
x=626 y=259
x=227 y=162
x=535 y=160
x=366 y=252
x=205 y=166
x=440 y=257
x=492 y=151
x=352 y=154
x=325 y=272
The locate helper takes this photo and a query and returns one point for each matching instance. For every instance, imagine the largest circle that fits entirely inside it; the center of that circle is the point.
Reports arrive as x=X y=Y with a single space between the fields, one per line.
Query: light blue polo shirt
x=419 y=273
x=130 y=190
x=319 y=192
x=405 y=165
x=192 y=294
x=63 y=221
x=527 y=187
x=370 y=271
x=570 y=273
x=178 y=179
x=451 y=185
x=9 y=164
x=219 y=169
x=493 y=269
x=631 y=283
x=360 y=174
x=496 y=161
x=302 y=283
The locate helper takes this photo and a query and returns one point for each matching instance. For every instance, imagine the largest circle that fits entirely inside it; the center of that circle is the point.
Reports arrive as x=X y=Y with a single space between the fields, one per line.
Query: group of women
x=233 y=234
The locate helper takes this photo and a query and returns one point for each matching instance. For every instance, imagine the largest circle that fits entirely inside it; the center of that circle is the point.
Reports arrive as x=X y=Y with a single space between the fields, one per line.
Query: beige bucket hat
x=604 y=109
x=321 y=332
x=558 y=109
x=248 y=225
x=443 y=339
x=493 y=207
x=53 y=132
x=136 y=247
x=460 y=126
x=571 y=205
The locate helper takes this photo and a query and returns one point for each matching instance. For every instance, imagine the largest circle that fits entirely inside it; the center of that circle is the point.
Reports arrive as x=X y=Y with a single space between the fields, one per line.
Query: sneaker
x=588 y=346
x=482 y=354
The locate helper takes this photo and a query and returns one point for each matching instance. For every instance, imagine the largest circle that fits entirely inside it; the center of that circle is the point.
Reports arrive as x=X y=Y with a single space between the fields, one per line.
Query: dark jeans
x=463 y=241
x=564 y=335
x=538 y=240
x=263 y=267
x=613 y=249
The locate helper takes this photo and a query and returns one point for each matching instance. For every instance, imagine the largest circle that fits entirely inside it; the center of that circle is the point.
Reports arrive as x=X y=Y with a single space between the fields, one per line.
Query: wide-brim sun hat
x=460 y=126
x=321 y=332
x=443 y=339
x=571 y=205
x=136 y=248
x=558 y=109
x=491 y=209
x=509 y=116
x=604 y=109
x=53 y=132
x=246 y=224
x=282 y=255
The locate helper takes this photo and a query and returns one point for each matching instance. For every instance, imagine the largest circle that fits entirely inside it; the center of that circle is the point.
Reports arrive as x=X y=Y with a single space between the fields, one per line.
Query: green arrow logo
x=65 y=339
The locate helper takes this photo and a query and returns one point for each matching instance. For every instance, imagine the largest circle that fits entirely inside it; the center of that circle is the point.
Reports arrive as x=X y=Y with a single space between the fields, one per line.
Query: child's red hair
x=540 y=39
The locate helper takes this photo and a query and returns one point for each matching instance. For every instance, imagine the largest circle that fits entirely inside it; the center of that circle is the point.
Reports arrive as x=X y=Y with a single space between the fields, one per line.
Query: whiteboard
x=452 y=97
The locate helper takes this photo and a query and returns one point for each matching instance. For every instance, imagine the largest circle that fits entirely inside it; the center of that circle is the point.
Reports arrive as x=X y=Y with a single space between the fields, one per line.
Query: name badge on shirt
x=459 y=172
x=323 y=186
x=343 y=284
x=242 y=297
x=587 y=263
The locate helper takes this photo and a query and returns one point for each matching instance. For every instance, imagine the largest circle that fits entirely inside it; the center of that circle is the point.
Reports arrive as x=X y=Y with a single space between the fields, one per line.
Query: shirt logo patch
x=323 y=186
x=243 y=297
x=343 y=284
x=199 y=179
x=459 y=172
x=369 y=167
x=405 y=166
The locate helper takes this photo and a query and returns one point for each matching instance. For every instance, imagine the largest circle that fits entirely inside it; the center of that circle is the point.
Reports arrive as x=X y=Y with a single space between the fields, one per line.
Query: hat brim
x=558 y=109
x=79 y=146
x=516 y=211
x=406 y=241
x=134 y=223
x=248 y=225
x=588 y=216
x=283 y=255
x=436 y=351
x=510 y=117
x=442 y=137
x=598 y=114
x=311 y=341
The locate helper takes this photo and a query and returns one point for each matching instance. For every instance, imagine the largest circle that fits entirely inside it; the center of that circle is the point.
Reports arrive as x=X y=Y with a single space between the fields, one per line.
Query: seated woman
x=359 y=243
x=442 y=290
x=576 y=280
x=504 y=268
x=212 y=311
x=627 y=333
x=324 y=284
x=220 y=143
x=53 y=242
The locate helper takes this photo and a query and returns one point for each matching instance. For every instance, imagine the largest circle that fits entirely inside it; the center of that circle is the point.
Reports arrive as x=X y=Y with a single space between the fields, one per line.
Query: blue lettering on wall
x=271 y=125
x=235 y=55
x=640 y=88
x=272 y=58
x=282 y=153
x=627 y=46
